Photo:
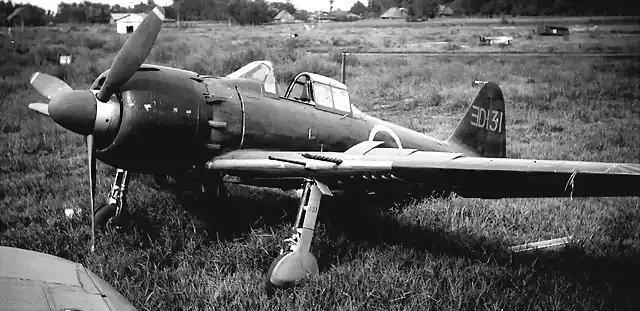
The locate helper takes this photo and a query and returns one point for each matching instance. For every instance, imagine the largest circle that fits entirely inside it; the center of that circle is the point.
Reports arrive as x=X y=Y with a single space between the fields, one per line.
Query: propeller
x=40 y=107
x=91 y=154
x=48 y=85
x=132 y=54
x=86 y=112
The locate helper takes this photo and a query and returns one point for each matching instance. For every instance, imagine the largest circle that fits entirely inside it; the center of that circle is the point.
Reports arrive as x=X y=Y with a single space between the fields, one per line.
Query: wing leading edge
x=468 y=176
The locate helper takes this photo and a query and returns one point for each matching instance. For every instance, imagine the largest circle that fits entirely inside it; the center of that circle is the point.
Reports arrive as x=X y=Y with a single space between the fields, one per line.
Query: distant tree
x=28 y=15
x=169 y=12
x=70 y=13
x=374 y=6
x=358 y=8
x=245 y=12
x=284 y=6
x=143 y=7
x=302 y=15
x=97 y=13
x=116 y=8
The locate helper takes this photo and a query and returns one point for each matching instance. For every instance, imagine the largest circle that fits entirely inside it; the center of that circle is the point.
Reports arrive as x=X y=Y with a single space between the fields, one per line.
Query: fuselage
x=174 y=120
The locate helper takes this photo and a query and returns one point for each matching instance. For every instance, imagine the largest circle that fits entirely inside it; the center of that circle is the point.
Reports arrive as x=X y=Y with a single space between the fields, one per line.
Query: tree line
x=426 y=8
x=255 y=12
x=28 y=15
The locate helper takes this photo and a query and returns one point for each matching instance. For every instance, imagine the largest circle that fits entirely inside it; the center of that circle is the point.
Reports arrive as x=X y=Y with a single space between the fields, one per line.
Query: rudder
x=482 y=130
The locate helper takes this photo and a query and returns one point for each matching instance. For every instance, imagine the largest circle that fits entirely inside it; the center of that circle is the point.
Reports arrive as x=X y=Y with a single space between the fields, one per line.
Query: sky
x=309 y=5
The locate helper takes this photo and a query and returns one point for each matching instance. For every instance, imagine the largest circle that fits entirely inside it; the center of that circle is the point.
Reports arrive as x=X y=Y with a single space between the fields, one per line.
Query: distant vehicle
x=553 y=31
x=506 y=40
x=37 y=281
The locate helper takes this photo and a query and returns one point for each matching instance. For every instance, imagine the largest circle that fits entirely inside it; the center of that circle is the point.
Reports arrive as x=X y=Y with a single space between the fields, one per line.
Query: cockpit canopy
x=323 y=92
x=262 y=71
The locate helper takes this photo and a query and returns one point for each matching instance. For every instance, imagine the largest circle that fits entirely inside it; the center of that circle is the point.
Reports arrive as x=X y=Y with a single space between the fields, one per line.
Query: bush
x=452 y=47
x=236 y=60
x=93 y=43
x=336 y=57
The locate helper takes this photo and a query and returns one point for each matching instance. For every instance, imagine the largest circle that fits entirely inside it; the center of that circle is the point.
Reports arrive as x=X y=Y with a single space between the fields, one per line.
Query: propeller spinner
x=92 y=113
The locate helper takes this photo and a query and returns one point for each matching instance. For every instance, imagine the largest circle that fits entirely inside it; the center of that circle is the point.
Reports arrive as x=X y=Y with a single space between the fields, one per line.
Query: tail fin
x=482 y=129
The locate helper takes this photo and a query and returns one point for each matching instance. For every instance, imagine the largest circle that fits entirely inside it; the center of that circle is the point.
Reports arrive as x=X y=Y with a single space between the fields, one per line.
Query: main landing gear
x=109 y=214
x=296 y=261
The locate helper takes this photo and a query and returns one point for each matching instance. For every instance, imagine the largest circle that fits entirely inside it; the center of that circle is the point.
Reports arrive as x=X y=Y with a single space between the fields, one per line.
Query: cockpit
x=309 y=88
x=323 y=92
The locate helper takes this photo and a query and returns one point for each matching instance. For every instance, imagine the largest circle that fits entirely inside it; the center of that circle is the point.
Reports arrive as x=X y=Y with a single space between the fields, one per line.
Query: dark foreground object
x=36 y=281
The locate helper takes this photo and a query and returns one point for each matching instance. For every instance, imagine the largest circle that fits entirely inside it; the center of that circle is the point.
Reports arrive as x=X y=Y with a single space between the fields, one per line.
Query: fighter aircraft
x=204 y=131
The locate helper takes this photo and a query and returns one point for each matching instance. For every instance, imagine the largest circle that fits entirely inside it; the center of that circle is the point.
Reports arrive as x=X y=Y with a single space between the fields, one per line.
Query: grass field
x=439 y=254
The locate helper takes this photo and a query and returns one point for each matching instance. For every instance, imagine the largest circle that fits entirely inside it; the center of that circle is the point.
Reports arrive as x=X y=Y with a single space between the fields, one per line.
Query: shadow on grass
x=607 y=274
x=246 y=208
x=611 y=278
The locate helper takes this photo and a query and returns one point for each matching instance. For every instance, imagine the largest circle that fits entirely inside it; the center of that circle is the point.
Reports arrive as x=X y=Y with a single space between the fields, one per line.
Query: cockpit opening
x=323 y=92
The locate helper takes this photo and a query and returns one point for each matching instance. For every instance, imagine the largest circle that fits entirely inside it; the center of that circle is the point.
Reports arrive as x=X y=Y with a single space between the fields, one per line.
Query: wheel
x=103 y=214
x=288 y=269
x=269 y=287
x=161 y=181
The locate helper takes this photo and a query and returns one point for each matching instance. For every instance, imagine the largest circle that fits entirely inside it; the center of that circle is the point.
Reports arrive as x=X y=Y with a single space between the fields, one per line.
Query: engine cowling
x=158 y=127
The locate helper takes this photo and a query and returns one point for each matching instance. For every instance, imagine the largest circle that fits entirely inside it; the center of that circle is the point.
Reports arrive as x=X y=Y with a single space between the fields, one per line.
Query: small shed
x=129 y=23
x=395 y=13
x=284 y=17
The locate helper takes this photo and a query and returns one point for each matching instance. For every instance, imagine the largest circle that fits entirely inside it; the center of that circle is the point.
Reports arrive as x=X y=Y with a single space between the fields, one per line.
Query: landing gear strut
x=296 y=261
x=109 y=214
x=212 y=187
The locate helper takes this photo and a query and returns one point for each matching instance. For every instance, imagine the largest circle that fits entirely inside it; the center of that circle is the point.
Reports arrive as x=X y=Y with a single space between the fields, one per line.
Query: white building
x=129 y=23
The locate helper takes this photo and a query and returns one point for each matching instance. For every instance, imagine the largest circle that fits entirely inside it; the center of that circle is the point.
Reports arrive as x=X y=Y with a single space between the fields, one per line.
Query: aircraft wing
x=467 y=176
x=36 y=281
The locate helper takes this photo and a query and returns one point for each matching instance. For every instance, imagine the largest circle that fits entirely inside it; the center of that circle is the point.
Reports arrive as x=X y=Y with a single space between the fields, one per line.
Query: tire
x=103 y=214
x=161 y=181
x=269 y=287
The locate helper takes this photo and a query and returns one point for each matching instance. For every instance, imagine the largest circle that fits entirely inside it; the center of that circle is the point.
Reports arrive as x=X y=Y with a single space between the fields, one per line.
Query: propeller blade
x=92 y=184
x=40 y=107
x=132 y=54
x=48 y=86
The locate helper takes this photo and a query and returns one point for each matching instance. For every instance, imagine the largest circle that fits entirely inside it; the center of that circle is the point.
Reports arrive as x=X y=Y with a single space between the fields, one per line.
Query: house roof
x=130 y=17
x=284 y=15
x=339 y=13
x=117 y=16
x=395 y=12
